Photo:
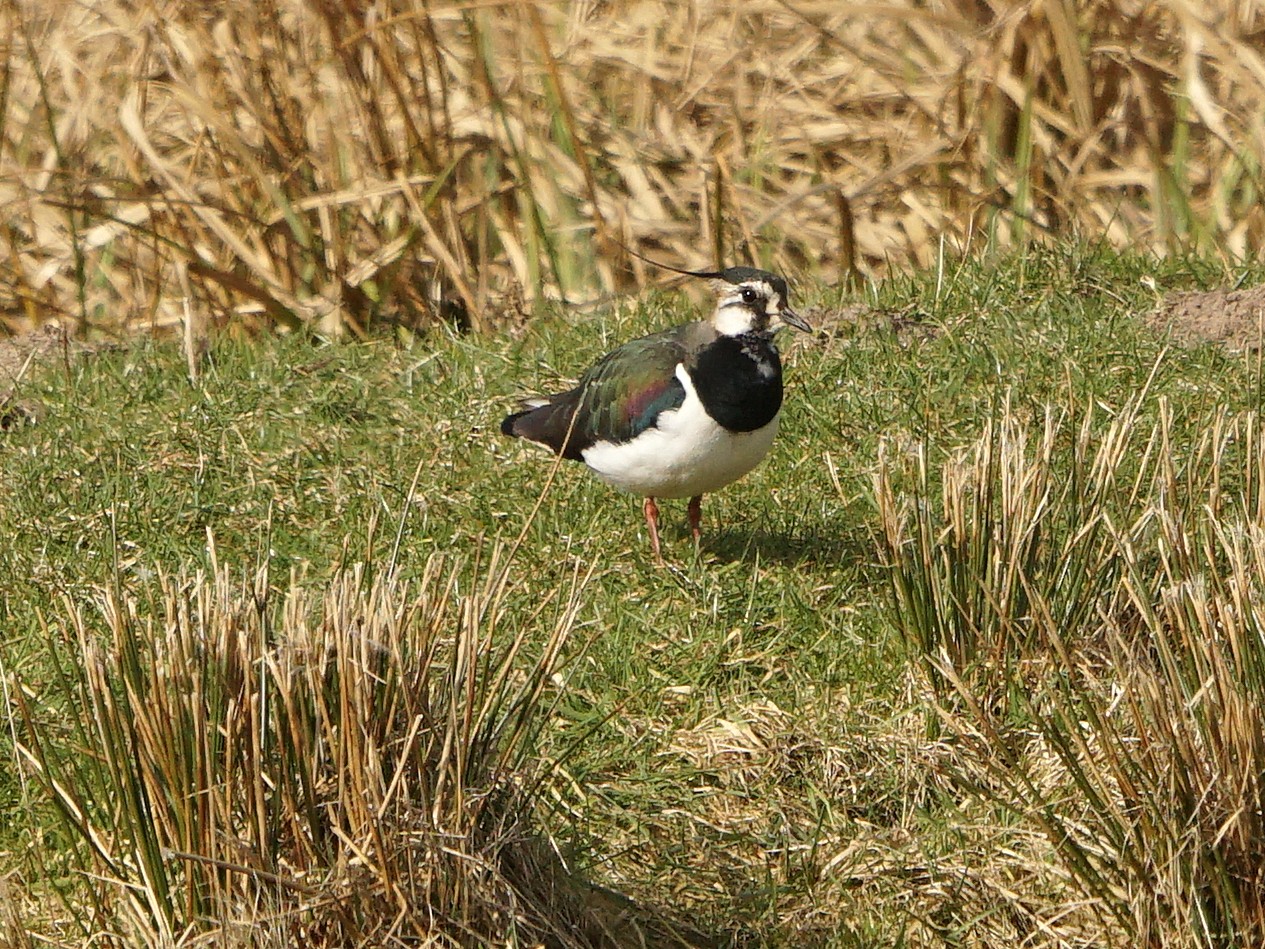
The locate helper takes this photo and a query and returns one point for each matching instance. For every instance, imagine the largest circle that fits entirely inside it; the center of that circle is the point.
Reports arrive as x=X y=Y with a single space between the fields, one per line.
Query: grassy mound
x=307 y=649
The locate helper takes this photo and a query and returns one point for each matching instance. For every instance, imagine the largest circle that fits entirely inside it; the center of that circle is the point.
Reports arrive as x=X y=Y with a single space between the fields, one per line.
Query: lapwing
x=682 y=412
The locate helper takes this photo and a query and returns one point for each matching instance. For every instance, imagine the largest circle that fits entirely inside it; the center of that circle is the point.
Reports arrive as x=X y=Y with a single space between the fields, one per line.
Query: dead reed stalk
x=337 y=165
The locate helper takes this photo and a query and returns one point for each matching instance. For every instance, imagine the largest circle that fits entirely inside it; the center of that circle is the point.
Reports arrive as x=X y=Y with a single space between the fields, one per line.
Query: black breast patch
x=739 y=380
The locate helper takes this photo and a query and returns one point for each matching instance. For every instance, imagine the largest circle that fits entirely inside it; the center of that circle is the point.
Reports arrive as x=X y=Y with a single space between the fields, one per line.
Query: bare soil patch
x=1234 y=319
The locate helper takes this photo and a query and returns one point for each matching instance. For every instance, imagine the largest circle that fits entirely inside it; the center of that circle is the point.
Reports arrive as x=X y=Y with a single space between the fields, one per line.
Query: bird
x=682 y=412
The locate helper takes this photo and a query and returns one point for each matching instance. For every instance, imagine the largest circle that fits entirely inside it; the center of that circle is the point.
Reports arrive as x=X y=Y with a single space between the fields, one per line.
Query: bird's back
x=618 y=398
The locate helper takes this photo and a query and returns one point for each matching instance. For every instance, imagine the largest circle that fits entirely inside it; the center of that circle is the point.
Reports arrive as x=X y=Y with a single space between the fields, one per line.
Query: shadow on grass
x=851 y=546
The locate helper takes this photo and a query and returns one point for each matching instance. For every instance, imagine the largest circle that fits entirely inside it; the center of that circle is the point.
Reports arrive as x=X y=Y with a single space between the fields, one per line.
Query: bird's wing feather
x=619 y=397
x=625 y=392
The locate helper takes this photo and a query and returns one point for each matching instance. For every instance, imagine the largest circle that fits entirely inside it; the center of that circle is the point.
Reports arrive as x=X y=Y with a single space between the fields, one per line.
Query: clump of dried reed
x=336 y=164
x=1092 y=644
x=246 y=765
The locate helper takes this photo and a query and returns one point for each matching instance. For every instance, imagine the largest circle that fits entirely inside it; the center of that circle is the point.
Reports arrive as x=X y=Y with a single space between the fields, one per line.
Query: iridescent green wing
x=627 y=390
x=619 y=397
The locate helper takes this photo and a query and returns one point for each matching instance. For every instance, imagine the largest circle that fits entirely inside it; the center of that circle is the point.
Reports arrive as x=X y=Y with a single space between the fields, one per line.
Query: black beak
x=791 y=318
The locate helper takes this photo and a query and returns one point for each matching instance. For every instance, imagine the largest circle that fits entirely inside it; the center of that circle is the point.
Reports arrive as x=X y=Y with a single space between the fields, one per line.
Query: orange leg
x=696 y=516
x=652 y=523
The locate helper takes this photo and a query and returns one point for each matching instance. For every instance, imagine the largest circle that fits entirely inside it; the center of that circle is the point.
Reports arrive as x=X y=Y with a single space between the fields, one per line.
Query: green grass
x=737 y=718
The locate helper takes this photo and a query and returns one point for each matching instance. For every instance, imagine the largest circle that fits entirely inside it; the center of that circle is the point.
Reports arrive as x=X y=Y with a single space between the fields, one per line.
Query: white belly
x=684 y=455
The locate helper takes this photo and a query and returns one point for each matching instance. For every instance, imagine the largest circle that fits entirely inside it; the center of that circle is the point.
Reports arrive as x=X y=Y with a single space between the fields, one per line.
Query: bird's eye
x=749 y=295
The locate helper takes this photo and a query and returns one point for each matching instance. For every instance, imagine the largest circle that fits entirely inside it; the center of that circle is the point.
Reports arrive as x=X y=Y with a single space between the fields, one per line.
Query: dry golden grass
x=1092 y=647
x=238 y=766
x=891 y=878
x=335 y=164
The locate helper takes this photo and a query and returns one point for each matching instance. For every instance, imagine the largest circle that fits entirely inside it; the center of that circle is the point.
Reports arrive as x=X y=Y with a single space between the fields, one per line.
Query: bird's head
x=752 y=301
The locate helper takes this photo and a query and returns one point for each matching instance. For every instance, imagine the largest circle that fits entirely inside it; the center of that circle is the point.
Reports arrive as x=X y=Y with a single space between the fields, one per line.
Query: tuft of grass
x=1095 y=651
x=1019 y=538
x=246 y=763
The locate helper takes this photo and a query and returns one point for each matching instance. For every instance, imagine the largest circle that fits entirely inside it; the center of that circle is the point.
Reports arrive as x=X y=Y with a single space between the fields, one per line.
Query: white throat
x=732 y=320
